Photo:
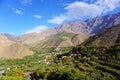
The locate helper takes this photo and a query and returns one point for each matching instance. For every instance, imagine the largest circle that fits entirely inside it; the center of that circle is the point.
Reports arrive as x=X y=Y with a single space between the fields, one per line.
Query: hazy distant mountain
x=10 y=36
x=87 y=28
x=11 y=49
x=108 y=37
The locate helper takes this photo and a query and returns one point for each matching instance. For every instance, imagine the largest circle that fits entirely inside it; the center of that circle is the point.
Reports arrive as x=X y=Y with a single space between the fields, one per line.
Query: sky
x=27 y=16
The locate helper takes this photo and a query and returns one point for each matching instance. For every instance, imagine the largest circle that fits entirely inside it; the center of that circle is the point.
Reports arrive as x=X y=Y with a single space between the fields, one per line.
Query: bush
x=67 y=74
x=14 y=73
x=11 y=78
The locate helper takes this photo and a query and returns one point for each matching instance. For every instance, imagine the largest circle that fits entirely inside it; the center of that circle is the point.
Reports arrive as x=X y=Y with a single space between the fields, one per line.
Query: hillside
x=87 y=28
x=62 y=39
x=108 y=37
x=11 y=49
x=71 y=63
x=90 y=26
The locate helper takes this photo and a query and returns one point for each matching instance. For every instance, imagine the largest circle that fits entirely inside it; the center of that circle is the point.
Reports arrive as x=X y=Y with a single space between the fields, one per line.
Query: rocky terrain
x=62 y=39
x=67 y=34
x=108 y=37
x=12 y=50
x=85 y=28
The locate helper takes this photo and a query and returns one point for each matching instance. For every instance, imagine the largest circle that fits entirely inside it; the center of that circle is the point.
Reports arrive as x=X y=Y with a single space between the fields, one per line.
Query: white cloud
x=79 y=9
x=26 y=2
x=37 y=16
x=18 y=11
x=58 y=20
x=37 y=29
x=108 y=5
x=82 y=9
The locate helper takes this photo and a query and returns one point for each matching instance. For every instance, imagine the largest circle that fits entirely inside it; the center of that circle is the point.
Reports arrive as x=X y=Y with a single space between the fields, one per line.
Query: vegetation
x=61 y=39
x=68 y=63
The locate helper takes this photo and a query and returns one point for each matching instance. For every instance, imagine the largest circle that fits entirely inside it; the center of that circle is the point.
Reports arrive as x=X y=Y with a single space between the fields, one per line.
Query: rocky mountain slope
x=62 y=39
x=108 y=37
x=87 y=28
x=11 y=49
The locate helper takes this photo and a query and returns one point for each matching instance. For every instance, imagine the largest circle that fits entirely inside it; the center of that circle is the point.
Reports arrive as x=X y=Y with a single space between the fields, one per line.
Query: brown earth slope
x=12 y=50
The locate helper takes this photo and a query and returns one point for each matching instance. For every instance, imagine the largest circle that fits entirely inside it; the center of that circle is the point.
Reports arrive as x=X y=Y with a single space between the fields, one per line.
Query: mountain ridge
x=108 y=37
x=87 y=28
x=62 y=39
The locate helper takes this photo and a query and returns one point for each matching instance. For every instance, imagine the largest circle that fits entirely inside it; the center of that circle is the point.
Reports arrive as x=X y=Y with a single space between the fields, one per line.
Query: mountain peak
x=87 y=28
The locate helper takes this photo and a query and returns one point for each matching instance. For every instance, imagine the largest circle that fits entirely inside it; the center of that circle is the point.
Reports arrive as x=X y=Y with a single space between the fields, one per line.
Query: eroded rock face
x=12 y=50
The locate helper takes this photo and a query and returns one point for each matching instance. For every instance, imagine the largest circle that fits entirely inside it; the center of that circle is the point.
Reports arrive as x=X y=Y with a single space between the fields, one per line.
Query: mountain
x=98 y=24
x=12 y=50
x=87 y=28
x=28 y=39
x=62 y=39
x=108 y=37
x=91 y=25
x=10 y=36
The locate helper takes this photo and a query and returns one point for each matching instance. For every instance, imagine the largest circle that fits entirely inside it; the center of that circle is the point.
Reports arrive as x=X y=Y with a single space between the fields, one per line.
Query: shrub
x=18 y=73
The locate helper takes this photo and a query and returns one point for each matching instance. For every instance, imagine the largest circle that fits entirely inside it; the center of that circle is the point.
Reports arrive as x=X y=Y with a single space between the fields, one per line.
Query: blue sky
x=26 y=16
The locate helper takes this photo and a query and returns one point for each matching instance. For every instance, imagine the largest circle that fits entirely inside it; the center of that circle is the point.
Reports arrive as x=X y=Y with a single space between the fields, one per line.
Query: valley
x=80 y=50
x=73 y=63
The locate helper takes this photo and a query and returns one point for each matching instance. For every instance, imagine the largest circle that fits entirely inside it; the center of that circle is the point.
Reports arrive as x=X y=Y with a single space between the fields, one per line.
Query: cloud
x=37 y=16
x=58 y=20
x=37 y=29
x=108 y=5
x=18 y=11
x=26 y=2
x=81 y=10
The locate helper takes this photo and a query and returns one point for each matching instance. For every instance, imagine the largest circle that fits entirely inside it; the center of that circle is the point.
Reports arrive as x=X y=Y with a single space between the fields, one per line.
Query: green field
x=68 y=63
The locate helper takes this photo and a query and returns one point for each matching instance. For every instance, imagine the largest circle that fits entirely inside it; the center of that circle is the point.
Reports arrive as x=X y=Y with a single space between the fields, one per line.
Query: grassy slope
x=62 y=39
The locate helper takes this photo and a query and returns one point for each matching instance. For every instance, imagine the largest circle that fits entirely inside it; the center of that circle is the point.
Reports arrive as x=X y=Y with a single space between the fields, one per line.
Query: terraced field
x=74 y=63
